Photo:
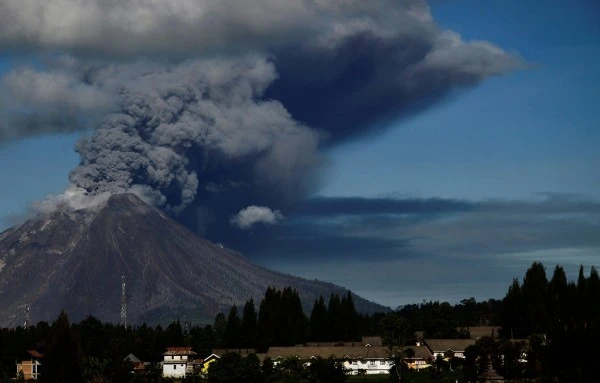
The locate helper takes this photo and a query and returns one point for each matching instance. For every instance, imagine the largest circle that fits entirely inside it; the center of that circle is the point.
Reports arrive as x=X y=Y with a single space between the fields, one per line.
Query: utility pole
x=123 y=301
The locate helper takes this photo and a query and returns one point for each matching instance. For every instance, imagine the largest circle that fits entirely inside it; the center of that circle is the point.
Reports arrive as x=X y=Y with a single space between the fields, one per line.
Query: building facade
x=178 y=362
x=30 y=366
x=448 y=348
x=368 y=360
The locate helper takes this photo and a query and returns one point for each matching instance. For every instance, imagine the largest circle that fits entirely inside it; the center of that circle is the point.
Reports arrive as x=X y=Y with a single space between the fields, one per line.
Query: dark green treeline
x=281 y=321
x=560 y=319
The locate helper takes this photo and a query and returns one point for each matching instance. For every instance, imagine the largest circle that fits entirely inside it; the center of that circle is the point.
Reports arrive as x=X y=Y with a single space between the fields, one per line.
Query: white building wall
x=457 y=354
x=173 y=370
x=370 y=366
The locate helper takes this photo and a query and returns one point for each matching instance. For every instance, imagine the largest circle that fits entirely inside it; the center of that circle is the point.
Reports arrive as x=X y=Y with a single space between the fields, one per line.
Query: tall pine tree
x=233 y=328
x=512 y=311
x=534 y=292
x=268 y=318
x=335 y=319
x=219 y=326
x=249 y=325
x=63 y=359
x=351 y=320
x=558 y=296
x=317 y=330
x=593 y=290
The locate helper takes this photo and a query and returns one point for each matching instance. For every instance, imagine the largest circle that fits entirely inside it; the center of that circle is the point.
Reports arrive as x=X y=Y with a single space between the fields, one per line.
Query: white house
x=30 y=365
x=369 y=360
x=420 y=358
x=448 y=348
x=178 y=362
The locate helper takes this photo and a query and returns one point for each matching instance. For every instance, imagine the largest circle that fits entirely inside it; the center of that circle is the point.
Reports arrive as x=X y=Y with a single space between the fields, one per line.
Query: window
x=174 y=367
x=371 y=363
x=382 y=362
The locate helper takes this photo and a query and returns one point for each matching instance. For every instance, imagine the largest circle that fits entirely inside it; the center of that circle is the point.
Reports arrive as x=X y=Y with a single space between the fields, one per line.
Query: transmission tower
x=123 y=301
x=187 y=325
x=26 y=314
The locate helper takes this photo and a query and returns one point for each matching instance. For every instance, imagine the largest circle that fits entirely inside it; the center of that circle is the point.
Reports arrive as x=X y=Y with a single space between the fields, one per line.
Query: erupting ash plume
x=237 y=110
x=179 y=124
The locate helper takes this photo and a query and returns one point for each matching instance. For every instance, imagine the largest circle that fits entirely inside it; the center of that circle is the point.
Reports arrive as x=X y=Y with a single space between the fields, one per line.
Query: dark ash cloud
x=342 y=228
x=350 y=94
x=429 y=252
x=342 y=65
x=562 y=228
x=206 y=107
x=181 y=127
x=325 y=206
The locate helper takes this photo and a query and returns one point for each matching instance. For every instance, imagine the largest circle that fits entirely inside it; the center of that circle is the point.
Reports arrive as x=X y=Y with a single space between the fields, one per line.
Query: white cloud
x=73 y=198
x=150 y=26
x=251 y=215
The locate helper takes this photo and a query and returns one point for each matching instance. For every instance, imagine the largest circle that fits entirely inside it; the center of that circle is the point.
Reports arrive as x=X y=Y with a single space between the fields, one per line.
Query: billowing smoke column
x=181 y=125
x=246 y=129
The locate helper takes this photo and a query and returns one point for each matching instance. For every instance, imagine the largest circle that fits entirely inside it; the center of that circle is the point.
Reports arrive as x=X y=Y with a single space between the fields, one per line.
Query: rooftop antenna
x=123 y=301
x=26 y=305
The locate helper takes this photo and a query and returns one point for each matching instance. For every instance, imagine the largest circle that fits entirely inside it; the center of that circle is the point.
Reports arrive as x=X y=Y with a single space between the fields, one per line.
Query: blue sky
x=32 y=167
x=35 y=167
x=512 y=136
x=521 y=136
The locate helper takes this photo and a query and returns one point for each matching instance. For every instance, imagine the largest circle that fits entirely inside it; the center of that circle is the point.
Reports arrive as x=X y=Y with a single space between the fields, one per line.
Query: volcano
x=74 y=260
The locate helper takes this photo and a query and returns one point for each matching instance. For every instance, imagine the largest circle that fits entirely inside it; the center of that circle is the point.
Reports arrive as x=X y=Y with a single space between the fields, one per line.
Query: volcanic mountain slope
x=74 y=260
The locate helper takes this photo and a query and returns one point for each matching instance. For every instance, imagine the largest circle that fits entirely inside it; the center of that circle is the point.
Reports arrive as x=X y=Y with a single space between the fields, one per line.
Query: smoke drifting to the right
x=249 y=127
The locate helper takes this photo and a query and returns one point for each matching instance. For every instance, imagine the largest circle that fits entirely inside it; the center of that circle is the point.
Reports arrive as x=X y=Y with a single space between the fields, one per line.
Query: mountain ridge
x=74 y=259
